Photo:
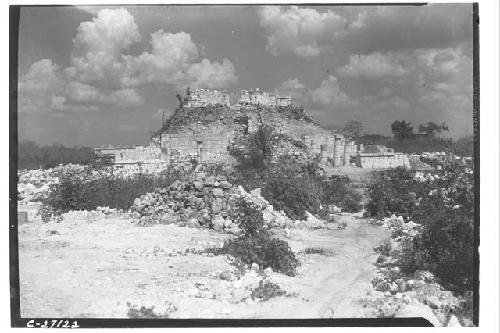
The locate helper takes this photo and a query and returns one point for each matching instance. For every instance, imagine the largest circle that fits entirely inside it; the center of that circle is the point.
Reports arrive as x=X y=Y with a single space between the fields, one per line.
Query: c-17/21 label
x=54 y=323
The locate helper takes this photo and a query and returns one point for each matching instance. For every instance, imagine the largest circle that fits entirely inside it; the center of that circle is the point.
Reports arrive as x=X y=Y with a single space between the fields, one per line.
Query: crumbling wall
x=257 y=97
x=205 y=97
x=131 y=154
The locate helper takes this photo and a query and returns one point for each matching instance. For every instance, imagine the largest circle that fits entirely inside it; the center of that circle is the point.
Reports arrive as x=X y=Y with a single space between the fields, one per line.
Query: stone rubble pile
x=397 y=225
x=395 y=294
x=203 y=201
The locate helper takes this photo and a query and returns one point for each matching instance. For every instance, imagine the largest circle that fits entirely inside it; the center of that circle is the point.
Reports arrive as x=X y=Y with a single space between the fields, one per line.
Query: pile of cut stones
x=205 y=201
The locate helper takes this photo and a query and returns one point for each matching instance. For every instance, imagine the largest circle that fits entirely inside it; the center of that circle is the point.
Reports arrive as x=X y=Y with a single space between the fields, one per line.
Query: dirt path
x=94 y=269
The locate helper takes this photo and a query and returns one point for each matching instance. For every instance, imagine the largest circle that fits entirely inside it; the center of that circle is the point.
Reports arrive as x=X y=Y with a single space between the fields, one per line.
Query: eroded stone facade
x=207 y=97
x=254 y=97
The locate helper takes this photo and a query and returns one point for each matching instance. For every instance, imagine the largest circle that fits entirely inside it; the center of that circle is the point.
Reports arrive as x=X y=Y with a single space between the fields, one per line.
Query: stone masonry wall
x=210 y=146
x=373 y=161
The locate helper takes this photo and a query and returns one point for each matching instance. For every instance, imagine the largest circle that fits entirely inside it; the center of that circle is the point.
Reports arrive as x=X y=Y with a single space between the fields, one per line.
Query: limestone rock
x=218 y=223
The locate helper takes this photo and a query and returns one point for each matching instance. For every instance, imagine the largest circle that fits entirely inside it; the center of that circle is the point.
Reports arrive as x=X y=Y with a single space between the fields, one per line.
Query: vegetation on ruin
x=444 y=206
x=289 y=184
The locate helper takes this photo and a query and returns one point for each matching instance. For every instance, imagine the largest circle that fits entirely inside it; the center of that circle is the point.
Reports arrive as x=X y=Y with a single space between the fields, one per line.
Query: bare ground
x=93 y=269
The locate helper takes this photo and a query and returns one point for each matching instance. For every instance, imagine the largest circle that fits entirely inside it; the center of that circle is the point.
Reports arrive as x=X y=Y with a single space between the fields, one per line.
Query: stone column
x=337 y=152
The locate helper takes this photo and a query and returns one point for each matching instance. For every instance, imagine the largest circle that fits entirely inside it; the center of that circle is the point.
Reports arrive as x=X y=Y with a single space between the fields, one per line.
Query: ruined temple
x=206 y=129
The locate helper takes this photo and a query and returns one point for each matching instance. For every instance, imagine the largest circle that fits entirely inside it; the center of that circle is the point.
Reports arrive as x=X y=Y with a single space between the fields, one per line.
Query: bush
x=393 y=192
x=149 y=313
x=445 y=209
x=256 y=245
x=249 y=218
x=264 y=251
x=293 y=194
x=87 y=190
x=445 y=246
x=337 y=191
x=267 y=290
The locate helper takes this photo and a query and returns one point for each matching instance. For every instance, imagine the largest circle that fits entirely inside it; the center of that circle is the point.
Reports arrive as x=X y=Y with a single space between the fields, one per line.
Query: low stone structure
x=131 y=157
x=381 y=157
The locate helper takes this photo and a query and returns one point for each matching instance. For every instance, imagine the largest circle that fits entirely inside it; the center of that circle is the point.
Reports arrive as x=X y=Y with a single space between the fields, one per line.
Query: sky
x=104 y=75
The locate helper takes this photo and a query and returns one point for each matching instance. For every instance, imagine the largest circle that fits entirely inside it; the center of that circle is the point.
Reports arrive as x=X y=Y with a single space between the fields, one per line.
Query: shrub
x=87 y=190
x=249 y=218
x=264 y=251
x=337 y=191
x=293 y=194
x=445 y=246
x=319 y=250
x=267 y=290
x=393 y=192
x=149 y=313
x=256 y=245
x=445 y=209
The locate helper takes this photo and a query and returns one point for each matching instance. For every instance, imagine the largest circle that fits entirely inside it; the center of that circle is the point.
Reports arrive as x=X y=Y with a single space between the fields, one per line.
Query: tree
x=402 y=130
x=353 y=129
x=180 y=99
x=263 y=140
x=430 y=129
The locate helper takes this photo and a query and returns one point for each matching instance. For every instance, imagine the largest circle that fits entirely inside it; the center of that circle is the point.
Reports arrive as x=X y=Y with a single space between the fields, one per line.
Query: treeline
x=33 y=156
x=406 y=141
x=462 y=147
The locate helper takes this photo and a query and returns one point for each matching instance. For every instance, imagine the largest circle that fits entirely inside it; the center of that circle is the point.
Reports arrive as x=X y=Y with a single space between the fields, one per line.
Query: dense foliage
x=32 y=156
x=443 y=203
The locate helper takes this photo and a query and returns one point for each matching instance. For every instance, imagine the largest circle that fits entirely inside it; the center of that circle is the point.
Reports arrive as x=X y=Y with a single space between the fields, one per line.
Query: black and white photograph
x=275 y=163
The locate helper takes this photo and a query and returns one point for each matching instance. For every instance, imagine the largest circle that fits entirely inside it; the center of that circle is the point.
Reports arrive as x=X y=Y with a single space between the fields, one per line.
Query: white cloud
x=102 y=74
x=298 y=30
x=170 y=57
x=293 y=88
x=123 y=98
x=308 y=32
x=43 y=77
x=329 y=93
x=212 y=75
x=375 y=65
x=98 y=46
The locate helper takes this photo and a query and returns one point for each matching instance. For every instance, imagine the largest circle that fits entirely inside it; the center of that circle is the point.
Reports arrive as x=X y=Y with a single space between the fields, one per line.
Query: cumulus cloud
x=375 y=65
x=212 y=75
x=419 y=85
x=102 y=73
x=299 y=30
x=329 y=93
x=98 y=45
x=308 y=32
x=398 y=28
x=293 y=88
x=170 y=57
